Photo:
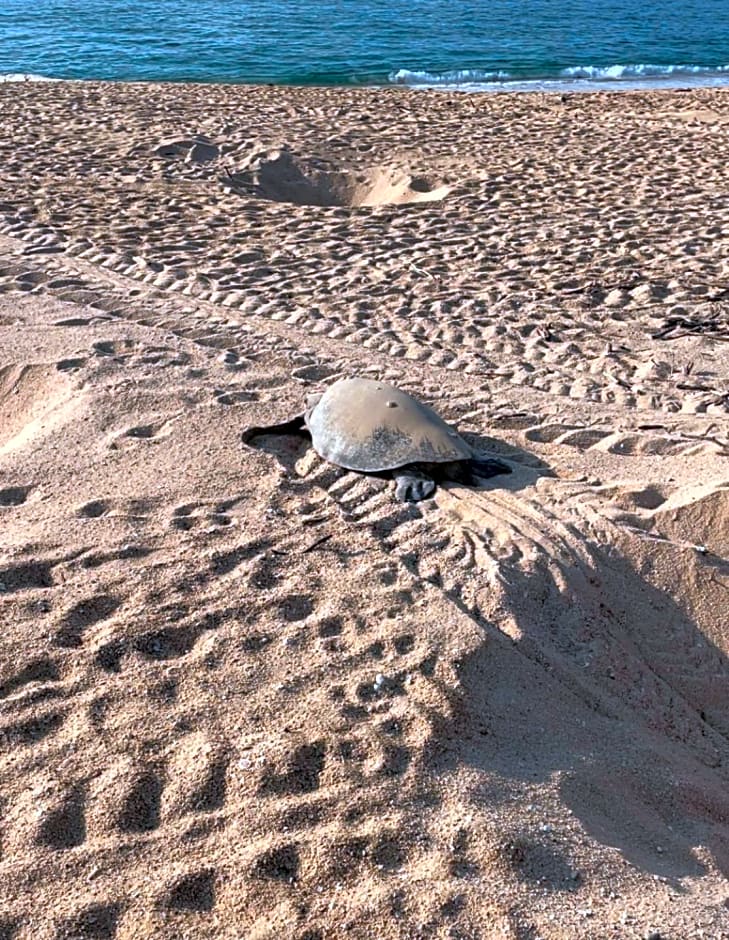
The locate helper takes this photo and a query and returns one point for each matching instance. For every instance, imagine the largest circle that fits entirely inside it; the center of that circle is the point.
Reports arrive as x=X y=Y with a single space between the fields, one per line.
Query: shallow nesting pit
x=282 y=176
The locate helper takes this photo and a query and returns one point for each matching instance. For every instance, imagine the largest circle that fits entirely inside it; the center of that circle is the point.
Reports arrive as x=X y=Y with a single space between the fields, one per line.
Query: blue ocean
x=471 y=44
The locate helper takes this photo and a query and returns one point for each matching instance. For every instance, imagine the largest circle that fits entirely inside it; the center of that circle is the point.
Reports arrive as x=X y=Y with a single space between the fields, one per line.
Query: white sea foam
x=25 y=77
x=574 y=78
x=458 y=77
x=619 y=72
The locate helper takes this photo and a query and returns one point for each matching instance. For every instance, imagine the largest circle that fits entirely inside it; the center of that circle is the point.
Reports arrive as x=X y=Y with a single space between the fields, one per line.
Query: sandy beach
x=247 y=694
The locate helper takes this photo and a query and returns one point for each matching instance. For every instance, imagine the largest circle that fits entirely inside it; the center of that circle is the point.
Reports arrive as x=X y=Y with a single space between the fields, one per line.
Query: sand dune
x=244 y=693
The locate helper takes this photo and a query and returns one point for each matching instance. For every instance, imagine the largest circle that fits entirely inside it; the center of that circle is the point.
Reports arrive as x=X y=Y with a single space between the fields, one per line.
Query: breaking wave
x=618 y=72
x=586 y=77
x=457 y=77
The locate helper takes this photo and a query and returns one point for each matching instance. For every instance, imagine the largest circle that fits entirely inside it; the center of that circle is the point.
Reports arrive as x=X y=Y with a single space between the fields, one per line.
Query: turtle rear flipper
x=411 y=485
x=482 y=468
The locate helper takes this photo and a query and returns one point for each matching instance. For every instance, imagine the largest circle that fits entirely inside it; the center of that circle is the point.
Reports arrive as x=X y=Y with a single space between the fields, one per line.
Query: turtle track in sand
x=551 y=570
x=577 y=355
x=244 y=338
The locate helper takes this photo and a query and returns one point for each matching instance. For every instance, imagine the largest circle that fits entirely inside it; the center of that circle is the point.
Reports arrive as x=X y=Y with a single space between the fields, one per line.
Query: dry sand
x=194 y=741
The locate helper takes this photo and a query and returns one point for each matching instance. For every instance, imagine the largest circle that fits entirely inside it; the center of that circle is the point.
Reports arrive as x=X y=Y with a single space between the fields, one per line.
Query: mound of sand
x=31 y=397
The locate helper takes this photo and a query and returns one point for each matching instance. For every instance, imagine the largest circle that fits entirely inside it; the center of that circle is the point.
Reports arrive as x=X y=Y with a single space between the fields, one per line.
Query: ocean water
x=471 y=44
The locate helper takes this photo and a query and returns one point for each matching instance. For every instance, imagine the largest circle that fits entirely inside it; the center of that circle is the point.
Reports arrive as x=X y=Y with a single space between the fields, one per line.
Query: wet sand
x=244 y=693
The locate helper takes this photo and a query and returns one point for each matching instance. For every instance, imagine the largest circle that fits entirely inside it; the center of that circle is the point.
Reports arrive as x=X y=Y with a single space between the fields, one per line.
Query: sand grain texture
x=244 y=693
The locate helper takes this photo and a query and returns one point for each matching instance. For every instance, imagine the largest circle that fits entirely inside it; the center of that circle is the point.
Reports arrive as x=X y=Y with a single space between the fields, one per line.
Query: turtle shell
x=366 y=425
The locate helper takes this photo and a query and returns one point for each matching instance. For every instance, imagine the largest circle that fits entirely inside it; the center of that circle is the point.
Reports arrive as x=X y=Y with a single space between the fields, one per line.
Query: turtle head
x=311 y=402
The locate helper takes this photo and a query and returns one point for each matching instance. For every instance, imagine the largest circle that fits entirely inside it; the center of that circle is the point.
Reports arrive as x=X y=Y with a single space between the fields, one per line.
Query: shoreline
x=556 y=85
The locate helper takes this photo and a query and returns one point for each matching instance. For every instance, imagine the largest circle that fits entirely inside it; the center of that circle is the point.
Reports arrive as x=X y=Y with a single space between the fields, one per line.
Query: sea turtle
x=366 y=425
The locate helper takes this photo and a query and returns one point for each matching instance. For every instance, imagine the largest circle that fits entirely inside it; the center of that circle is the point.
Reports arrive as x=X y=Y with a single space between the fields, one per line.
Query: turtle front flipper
x=411 y=485
x=294 y=426
x=482 y=468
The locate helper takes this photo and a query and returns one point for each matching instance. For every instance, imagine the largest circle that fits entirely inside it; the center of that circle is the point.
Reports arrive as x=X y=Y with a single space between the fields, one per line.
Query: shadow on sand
x=602 y=686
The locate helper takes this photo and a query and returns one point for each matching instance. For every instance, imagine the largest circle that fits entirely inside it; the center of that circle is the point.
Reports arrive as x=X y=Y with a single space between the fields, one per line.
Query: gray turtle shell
x=365 y=425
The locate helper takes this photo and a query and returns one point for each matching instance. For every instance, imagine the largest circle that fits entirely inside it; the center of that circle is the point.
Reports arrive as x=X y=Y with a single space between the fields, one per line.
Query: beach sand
x=246 y=694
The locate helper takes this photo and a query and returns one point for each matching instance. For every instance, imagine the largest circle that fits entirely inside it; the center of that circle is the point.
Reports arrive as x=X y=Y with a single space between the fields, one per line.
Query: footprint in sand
x=117 y=348
x=129 y=508
x=210 y=516
x=235 y=396
x=71 y=365
x=191 y=892
x=64 y=826
x=80 y=321
x=153 y=432
x=40 y=670
x=98 y=920
x=82 y=616
x=14 y=495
